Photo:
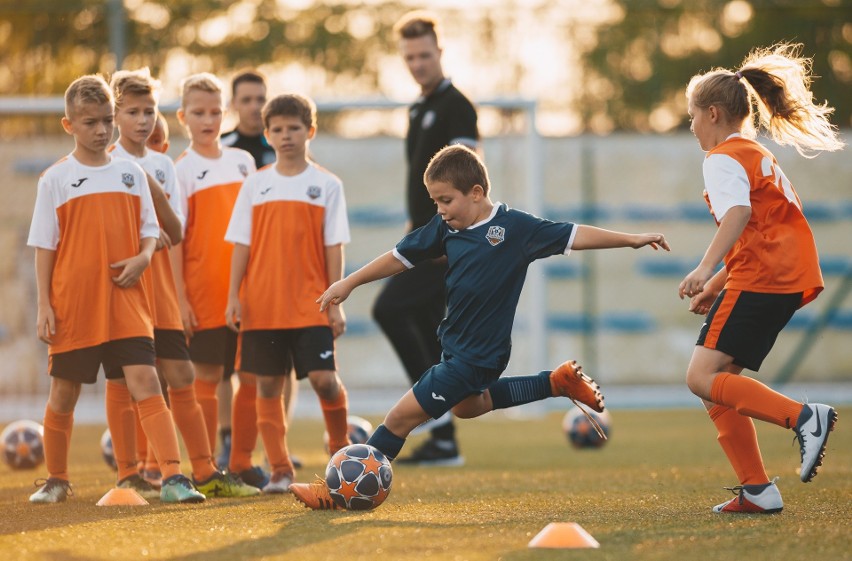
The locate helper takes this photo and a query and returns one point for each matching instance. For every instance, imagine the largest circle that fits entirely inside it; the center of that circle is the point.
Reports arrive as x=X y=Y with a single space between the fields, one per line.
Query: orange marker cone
x=563 y=535
x=122 y=497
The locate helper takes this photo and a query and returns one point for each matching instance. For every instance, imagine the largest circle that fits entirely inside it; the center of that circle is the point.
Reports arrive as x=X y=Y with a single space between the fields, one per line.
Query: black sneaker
x=255 y=476
x=435 y=452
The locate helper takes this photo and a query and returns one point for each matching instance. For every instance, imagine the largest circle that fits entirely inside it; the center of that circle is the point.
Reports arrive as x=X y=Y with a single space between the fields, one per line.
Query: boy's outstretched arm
x=383 y=266
x=589 y=237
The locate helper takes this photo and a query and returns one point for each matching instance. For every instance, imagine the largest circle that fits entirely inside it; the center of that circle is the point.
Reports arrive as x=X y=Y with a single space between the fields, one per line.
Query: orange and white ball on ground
x=359 y=477
x=579 y=430
x=23 y=444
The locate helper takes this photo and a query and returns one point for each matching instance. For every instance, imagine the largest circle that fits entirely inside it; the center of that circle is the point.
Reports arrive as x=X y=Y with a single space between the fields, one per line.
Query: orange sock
x=754 y=399
x=190 y=421
x=205 y=394
x=157 y=422
x=151 y=463
x=243 y=427
x=334 y=413
x=57 y=441
x=121 y=418
x=273 y=430
x=141 y=440
x=739 y=441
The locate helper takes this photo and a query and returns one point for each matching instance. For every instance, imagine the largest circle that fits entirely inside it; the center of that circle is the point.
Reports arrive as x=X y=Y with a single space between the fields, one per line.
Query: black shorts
x=273 y=352
x=745 y=325
x=449 y=382
x=171 y=344
x=214 y=346
x=82 y=365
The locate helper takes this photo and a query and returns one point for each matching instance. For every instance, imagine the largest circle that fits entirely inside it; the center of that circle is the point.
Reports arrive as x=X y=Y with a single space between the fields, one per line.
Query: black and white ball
x=579 y=431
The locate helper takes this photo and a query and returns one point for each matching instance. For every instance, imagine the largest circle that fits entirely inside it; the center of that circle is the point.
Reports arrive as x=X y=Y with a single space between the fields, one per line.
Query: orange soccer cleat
x=314 y=495
x=569 y=381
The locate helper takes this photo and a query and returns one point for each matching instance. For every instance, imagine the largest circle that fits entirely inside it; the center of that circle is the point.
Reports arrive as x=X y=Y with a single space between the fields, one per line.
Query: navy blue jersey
x=487 y=266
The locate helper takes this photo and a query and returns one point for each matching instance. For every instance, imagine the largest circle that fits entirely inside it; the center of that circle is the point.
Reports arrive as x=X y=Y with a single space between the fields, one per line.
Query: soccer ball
x=23 y=444
x=359 y=431
x=107 y=451
x=579 y=430
x=359 y=477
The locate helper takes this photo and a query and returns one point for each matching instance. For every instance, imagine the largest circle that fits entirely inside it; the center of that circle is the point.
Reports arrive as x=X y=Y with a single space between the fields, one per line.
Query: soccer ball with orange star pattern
x=359 y=477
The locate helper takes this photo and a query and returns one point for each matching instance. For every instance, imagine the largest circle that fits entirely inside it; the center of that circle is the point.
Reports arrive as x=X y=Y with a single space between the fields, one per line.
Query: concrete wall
x=637 y=183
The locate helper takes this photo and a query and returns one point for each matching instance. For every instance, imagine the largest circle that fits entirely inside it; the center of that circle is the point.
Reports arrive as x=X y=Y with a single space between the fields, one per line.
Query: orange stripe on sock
x=157 y=422
x=273 y=431
x=243 y=427
x=334 y=412
x=754 y=399
x=121 y=418
x=190 y=421
x=739 y=442
x=205 y=394
x=57 y=441
x=723 y=312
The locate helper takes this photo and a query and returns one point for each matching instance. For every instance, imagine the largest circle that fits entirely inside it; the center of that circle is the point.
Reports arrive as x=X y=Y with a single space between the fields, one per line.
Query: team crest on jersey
x=495 y=235
x=127 y=179
x=243 y=170
x=314 y=191
x=428 y=119
x=160 y=175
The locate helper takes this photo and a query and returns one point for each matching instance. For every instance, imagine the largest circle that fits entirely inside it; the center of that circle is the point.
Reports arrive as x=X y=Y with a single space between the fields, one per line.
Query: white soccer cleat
x=279 y=483
x=52 y=490
x=753 y=499
x=815 y=422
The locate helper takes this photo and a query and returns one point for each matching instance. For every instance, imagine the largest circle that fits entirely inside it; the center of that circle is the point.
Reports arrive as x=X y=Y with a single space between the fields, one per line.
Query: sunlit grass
x=646 y=495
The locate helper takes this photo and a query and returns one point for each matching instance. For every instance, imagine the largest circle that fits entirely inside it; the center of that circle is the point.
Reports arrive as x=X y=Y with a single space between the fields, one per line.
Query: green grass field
x=646 y=495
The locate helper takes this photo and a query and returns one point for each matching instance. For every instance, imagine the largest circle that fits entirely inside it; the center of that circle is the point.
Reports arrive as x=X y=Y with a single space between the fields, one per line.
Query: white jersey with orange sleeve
x=209 y=188
x=776 y=252
x=161 y=290
x=287 y=222
x=93 y=217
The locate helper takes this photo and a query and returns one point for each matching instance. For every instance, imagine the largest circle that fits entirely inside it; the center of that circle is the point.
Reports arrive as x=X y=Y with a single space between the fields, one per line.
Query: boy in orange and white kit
x=95 y=229
x=210 y=177
x=136 y=113
x=288 y=228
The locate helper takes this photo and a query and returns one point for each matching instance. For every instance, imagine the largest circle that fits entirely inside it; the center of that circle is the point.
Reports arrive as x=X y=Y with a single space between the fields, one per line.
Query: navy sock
x=517 y=390
x=386 y=442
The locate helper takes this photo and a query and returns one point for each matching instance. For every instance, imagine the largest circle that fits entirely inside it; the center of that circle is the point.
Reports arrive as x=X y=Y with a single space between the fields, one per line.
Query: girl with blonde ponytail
x=769 y=255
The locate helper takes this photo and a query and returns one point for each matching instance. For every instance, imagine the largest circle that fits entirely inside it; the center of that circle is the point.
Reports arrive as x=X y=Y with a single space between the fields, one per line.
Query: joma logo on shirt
x=203 y=173
x=495 y=235
x=79 y=182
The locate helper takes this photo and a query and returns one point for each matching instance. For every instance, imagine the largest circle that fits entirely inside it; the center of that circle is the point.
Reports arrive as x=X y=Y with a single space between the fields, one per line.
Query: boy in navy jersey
x=488 y=247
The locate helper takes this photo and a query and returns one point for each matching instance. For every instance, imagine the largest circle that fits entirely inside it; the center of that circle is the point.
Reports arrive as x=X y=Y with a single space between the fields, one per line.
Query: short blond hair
x=91 y=88
x=134 y=82
x=416 y=24
x=203 y=81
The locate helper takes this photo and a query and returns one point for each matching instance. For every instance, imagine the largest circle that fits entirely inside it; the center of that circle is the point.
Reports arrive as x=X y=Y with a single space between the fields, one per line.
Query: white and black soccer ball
x=359 y=430
x=359 y=477
x=23 y=444
x=107 y=451
x=579 y=430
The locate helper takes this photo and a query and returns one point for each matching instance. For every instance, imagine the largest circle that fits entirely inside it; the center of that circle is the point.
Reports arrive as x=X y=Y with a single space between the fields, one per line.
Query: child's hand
x=693 y=284
x=164 y=241
x=46 y=323
x=338 y=320
x=336 y=294
x=133 y=268
x=187 y=316
x=656 y=241
x=232 y=314
x=700 y=304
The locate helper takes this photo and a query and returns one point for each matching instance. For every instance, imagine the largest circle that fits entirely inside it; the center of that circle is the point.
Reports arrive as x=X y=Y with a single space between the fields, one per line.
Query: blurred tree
x=637 y=72
x=44 y=44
